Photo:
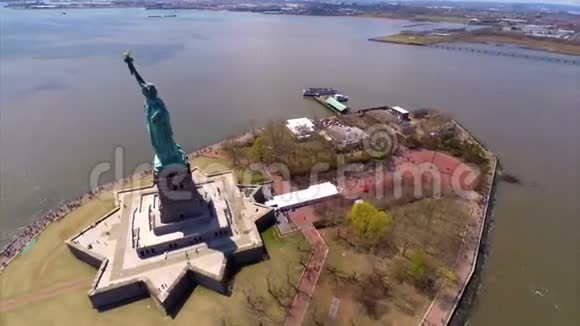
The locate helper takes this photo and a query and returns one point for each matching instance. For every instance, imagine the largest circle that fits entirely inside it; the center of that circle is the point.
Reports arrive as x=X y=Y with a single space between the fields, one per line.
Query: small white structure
x=303 y=197
x=400 y=113
x=301 y=128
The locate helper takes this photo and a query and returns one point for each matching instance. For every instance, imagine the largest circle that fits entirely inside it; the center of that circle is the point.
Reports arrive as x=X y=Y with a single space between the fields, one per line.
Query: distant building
x=514 y=21
x=483 y=21
x=301 y=128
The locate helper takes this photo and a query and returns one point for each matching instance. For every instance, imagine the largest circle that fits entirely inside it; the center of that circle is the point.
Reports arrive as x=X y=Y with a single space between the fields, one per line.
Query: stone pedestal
x=179 y=198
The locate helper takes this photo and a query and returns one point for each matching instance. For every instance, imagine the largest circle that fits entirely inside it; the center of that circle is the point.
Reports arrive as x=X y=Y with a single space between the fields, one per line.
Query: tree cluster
x=368 y=223
x=467 y=150
x=276 y=145
x=422 y=272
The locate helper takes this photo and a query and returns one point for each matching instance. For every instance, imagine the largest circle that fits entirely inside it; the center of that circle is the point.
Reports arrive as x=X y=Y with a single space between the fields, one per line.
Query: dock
x=332 y=103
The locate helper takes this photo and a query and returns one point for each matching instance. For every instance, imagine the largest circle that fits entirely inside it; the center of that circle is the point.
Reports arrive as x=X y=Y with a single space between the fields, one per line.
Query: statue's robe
x=159 y=128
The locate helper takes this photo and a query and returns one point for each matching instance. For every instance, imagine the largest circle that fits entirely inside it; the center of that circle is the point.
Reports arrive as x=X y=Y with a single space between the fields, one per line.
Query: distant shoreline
x=491 y=39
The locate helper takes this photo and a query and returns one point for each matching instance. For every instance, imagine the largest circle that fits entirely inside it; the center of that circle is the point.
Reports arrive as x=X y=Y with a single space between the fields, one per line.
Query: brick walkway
x=302 y=218
x=297 y=310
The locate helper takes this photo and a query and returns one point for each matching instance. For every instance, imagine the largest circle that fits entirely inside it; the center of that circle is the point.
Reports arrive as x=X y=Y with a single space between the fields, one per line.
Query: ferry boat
x=318 y=91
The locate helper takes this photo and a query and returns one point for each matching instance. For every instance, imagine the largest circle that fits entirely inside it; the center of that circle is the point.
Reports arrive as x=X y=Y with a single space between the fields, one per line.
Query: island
x=371 y=216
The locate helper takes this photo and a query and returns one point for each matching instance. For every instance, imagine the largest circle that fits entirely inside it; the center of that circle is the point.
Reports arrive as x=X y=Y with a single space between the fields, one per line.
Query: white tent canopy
x=303 y=197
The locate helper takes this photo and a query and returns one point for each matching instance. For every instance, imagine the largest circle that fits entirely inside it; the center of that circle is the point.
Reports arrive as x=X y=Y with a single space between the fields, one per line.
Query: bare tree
x=256 y=304
x=279 y=294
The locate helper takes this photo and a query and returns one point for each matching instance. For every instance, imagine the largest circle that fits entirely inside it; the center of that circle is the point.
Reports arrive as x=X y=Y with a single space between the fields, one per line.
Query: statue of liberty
x=167 y=152
x=178 y=195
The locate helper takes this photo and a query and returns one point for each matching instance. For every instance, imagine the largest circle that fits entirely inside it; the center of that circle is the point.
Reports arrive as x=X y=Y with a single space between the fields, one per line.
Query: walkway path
x=445 y=303
x=297 y=310
x=302 y=218
x=442 y=307
x=46 y=293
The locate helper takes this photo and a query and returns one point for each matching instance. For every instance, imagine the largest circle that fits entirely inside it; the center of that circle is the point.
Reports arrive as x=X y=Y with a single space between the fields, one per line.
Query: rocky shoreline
x=23 y=235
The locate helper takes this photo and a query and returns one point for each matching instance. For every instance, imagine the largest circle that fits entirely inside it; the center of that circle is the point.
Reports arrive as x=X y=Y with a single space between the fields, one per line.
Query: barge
x=319 y=91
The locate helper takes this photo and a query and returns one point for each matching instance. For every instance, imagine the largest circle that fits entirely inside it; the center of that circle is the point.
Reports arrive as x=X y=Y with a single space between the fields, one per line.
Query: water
x=67 y=101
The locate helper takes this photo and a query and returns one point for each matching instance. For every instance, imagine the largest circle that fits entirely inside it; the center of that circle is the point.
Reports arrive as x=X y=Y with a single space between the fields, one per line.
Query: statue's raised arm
x=129 y=60
x=157 y=122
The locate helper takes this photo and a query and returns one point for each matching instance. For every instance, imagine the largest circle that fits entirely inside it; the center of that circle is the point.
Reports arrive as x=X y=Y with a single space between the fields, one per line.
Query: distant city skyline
x=558 y=2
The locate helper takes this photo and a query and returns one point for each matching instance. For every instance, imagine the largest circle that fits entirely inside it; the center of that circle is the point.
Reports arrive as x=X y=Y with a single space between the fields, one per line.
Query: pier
x=512 y=54
x=332 y=103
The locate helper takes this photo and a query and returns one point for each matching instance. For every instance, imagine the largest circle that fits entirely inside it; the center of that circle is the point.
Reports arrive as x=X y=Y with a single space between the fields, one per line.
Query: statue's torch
x=129 y=61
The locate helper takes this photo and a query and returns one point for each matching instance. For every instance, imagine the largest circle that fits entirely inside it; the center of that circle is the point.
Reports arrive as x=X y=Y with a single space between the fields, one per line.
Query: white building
x=301 y=128
x=399 y=112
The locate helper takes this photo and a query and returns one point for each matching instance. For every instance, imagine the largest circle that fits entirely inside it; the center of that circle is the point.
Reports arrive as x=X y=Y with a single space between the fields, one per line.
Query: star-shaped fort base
x=137 y=255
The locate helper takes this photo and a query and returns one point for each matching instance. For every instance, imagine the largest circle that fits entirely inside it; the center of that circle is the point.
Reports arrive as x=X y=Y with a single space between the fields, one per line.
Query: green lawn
x=204 y=306
x=49 y=261
x=210 y=165
x=410 y=39
x=432 y=225
x=403 y=305
x=243 y=174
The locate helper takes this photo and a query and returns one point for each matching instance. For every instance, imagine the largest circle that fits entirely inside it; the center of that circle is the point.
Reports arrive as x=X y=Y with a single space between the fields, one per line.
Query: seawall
x=465 y=304
x=452 y=298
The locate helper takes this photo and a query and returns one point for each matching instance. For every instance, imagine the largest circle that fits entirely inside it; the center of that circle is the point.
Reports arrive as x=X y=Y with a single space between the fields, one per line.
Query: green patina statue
x=167 y=152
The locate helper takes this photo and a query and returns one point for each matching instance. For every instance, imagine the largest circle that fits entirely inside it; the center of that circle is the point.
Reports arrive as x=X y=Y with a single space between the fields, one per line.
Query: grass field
x=49 y=263
x=409 y=39
x=556 y=46
x=402 y=305
x=433 y=225
x=204 y=306
x=243 y=174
